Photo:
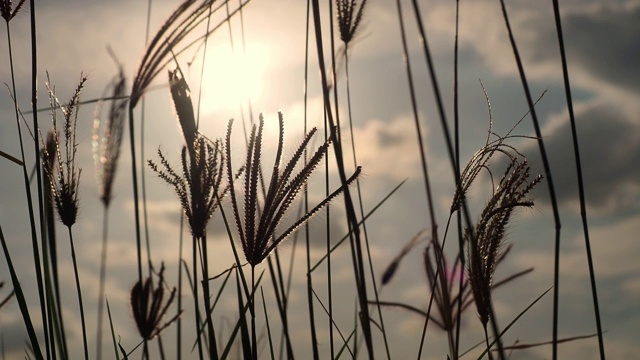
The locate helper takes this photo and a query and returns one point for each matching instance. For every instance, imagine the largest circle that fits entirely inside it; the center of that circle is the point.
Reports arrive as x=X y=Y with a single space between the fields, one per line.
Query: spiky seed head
x=107 y=136
x=5 y=9
x=258 y=227
x=485 y=242
x=64 y=187
x=148 y=306
x=181 y=95
x=349 y=18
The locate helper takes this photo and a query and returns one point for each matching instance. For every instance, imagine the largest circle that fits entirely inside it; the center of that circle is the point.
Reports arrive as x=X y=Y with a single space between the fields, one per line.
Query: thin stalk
x=328 y=247
x=326 y=182
x=445 y=127
x=145 y=350
x=362 y=215
x=281 y=309
x=285 y=302
x=213 y=348
x=486 y=340
x=204 y=57
x=583 y=207
x=53 y=256
x=179 y=321
x=160 y=347
x=79 y=290
x=436 y=88
x=32 y=220
x=455 y=157
x=351 y=215
x=34 y=104
x=456 y=122
x=547 y=171
x=254 y=341
x=53 y=313
x=103 y=274
x=312 y=323
x=134 y=176
x=22 y=303
x=195 y=296
x=414 y=107
x=425 y=173
x=266 y=317
x=142 y=155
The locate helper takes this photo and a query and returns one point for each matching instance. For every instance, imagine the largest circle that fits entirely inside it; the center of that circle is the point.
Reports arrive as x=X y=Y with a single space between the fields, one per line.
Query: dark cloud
x=609 y=151
x=603 y=41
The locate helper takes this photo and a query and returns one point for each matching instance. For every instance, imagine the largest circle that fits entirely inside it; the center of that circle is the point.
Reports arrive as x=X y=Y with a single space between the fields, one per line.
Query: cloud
x=388 y=148
x=599 y=40
x=609 y=150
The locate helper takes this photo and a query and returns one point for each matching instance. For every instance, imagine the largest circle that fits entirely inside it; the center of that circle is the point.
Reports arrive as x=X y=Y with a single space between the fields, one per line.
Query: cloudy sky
x=601 y=44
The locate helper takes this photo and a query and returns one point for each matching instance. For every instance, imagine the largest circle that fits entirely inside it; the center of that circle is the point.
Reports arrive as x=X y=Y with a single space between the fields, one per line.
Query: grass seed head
x=107 y=136
x=64 y=186
x=198 y=184
x=485 y=244
x=148 y=306
x=260 y=221
x=6 y=9
x=349 y=18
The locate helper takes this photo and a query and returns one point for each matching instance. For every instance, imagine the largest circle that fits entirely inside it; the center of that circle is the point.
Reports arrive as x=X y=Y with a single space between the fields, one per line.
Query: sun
x=231 y=80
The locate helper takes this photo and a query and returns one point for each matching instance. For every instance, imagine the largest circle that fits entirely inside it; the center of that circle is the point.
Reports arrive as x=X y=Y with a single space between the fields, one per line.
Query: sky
x=602 y=51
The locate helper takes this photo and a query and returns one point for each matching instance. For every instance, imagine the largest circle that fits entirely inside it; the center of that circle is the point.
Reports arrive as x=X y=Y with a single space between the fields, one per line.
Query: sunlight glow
x=231 y=80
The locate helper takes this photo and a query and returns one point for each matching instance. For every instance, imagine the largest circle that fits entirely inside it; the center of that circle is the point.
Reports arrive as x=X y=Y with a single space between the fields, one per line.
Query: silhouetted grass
x=268 y=203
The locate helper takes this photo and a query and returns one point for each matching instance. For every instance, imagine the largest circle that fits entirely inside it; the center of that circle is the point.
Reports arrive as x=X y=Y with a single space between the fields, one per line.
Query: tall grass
x=259 y=193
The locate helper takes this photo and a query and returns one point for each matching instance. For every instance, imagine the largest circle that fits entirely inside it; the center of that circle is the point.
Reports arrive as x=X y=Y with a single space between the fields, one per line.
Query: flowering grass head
x=64 y=186
x=258 y=224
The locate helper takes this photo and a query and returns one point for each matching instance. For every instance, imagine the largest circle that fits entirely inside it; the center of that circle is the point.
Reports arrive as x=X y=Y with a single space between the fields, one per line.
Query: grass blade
x=113 y=334
x=22 y=303
x=583 y=210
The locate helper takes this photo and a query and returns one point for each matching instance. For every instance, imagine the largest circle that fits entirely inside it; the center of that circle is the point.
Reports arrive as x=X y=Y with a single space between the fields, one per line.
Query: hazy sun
x=231 y=80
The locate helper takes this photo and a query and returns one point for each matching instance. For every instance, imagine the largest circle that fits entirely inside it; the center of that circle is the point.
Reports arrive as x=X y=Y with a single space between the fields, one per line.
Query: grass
x=260 y=199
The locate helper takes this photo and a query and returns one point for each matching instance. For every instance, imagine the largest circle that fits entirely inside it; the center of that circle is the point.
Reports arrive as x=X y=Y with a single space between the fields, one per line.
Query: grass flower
x=202 y=164
x=259 y=222
x=107 y=136
x=7 y=11
x=349 y=18
x=187 y=17
x=490 y=231
x=198 y=183
x=149 y=307
x=64 y=186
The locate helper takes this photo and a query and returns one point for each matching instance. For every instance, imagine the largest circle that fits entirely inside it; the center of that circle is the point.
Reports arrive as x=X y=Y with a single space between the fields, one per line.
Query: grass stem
x=583 y=207
x=79 y=290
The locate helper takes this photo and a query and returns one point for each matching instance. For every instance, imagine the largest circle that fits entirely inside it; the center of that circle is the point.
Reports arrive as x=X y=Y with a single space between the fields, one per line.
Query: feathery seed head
x=181 y=95
x=148 y=307
x=349 y=18
x=198 y=184
x=107 y=136
x=258 y=226
x=485 y=244
x=186 y=18
x=5 y=9
x=64 y=186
